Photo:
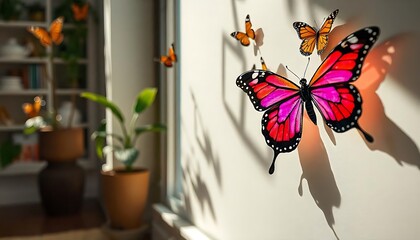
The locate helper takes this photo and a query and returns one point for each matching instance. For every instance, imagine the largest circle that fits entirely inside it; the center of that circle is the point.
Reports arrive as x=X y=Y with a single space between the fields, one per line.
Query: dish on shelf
x=11 y=83
x=13 y=50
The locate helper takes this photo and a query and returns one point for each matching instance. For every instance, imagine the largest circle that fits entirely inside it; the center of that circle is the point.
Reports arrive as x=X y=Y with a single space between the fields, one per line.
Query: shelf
x=70 y=91
x=23 y=92
x=62 y=61
x=20 y=127
x=24 y=60
x=22 y=168
x=31 y=92
x=11 y=128
x=72 y=26
x=25 y=168
x=21 y=24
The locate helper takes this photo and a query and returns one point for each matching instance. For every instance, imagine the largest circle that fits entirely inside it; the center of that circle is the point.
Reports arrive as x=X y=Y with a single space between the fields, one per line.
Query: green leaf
x=8 y=151
x=127 y=156
x=104 y=102
x=30 y=130
x=144 y=99
x=100 y=138
x=157 y=127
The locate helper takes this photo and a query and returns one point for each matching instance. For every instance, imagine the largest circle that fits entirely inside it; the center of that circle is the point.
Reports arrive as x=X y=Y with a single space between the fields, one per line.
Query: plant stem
x=73 y=107
x=53 y=90
x=132 y=126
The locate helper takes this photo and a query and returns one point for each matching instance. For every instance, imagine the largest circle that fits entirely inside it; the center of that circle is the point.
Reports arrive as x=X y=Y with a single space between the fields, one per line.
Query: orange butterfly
x=53 y=36
x=32 y=110
x=312 y=37
x=80 y=13
x=170 y=59
x=244 y=38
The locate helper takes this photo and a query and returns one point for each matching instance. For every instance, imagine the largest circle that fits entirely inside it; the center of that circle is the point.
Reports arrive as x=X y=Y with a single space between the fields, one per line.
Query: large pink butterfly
x=338 y=101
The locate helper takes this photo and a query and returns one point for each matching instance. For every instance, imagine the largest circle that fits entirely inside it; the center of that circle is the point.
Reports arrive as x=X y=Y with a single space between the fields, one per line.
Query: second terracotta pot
x=125 y=196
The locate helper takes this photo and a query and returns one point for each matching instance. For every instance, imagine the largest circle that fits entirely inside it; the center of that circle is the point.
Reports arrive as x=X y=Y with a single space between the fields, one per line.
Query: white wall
x=131 y=48
x=358 y=190
x=129 y=54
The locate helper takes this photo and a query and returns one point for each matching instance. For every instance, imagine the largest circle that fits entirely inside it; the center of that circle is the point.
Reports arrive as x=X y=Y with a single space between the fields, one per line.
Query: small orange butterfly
x=170 y=59
x=311 y=36
x=244 y=38
x=53 y=36
x=32 y=109
x=80 y=12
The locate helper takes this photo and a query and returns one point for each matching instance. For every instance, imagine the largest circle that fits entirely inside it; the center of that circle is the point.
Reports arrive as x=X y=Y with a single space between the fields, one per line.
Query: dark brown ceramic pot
x=61 y=182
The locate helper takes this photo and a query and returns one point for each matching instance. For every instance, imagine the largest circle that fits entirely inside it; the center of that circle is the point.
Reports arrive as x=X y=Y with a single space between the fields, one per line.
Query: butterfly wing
x=28 y=109
x=266 y=89
x=248 y=28
x=172 y=55
x=338 y=101
x=165 y=60
x=55 y=30
x=282 y=122
x=241 y=37
x=41 y=34
x=282 y=125
x=308 y=35
x=323 y=32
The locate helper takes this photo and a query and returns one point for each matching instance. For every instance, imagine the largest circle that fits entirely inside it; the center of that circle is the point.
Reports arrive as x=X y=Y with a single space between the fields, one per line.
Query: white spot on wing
x=254 y=75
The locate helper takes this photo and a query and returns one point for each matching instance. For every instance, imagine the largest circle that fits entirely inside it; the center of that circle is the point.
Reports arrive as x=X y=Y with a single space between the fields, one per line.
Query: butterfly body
x=305 y=94
x=244 y=37
x=312 y=37
x=330 y=90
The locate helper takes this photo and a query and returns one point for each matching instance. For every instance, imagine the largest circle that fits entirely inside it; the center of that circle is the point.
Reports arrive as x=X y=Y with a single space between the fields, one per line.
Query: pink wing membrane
x=344 y=63
x=341 y=106
x=282 y=125
x=265 y=89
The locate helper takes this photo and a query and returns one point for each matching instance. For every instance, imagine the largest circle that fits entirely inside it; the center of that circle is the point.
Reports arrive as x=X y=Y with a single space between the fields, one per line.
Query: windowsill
x=168 y=225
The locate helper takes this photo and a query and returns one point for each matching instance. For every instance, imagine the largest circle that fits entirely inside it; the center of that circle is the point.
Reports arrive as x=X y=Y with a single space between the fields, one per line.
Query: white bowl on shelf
x=12 y=49
x=11 y=83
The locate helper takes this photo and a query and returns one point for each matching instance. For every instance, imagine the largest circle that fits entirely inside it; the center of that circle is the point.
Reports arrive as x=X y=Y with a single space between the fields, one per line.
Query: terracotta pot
x=125 y=195
x=61 y=182
x=64 y=144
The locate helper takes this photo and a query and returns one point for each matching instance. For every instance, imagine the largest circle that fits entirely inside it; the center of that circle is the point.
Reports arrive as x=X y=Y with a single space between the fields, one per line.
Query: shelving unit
x=12 y=100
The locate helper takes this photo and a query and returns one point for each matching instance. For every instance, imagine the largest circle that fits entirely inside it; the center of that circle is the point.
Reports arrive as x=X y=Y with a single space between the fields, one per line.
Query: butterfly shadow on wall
x=386 y=60
x=194 y=185
x=316 y=169
x=237 y=115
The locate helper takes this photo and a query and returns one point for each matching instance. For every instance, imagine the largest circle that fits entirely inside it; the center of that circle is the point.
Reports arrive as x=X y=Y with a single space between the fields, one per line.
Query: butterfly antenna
x=292 y=72
x=304 y=73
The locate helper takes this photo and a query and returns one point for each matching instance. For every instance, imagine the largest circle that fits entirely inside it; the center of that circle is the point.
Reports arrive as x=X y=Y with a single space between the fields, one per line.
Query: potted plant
x=125 y=189
x=61 y=182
